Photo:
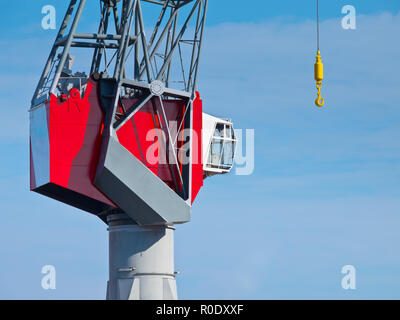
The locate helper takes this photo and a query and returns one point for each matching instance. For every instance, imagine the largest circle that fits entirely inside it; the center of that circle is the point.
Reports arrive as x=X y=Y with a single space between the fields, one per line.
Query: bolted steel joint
x=157 y=87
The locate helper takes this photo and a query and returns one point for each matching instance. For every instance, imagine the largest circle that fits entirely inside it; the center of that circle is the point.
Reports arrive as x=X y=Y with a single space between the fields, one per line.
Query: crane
x=124 y=136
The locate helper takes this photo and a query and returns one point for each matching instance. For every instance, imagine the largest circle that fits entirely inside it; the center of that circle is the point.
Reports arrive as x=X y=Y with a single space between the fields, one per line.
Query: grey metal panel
x=136 y=190
x=40 y=147
x=141 y=260
x=124 y=288
x=169 y=289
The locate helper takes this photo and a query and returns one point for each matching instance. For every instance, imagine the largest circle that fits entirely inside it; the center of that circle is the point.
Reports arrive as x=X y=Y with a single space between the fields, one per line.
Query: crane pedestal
x=141 y=261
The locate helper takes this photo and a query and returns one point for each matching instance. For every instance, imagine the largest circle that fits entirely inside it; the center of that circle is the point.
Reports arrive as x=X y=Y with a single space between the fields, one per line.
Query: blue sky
x=326 y=186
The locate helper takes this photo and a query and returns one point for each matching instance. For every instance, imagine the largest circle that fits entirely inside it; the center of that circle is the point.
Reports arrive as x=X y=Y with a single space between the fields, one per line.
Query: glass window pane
x=228 y=132
x=219 y=130
x=227 y=158
x=215 y=152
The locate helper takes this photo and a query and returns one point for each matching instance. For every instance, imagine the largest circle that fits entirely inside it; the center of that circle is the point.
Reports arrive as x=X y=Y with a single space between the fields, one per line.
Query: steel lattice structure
x=130 y=41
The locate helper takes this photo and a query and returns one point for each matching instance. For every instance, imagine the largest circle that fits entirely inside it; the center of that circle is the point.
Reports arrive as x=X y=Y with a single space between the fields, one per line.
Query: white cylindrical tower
x=141 y=265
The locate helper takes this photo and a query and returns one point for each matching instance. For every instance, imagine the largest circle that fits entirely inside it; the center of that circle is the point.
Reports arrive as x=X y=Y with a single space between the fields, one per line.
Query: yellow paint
x=319 y=76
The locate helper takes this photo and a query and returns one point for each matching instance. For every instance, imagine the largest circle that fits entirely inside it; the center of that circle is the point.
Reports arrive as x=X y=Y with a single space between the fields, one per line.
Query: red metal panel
x=144 y=135
x=74 y=142
x=84 y=164
x=67 y=126
x=75 y=128
x=197 y=157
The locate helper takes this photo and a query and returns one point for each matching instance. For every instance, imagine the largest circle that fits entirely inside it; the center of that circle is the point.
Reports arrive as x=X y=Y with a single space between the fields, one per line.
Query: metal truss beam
x=161 y=57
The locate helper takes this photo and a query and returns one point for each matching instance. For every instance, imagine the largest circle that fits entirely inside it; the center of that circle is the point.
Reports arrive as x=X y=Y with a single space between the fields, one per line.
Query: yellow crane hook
x=318 y=67
x=319 y=76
